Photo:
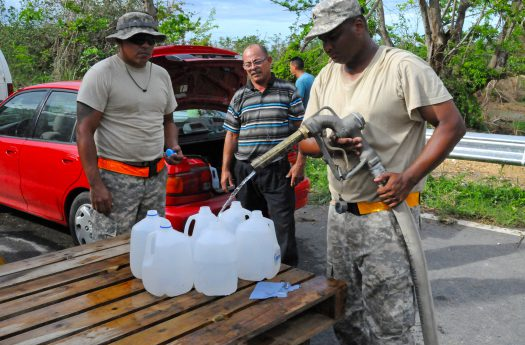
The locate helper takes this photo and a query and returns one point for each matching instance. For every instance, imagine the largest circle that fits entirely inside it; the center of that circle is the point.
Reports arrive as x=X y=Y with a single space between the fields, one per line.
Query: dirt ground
x=503 y=105
x=476 y=170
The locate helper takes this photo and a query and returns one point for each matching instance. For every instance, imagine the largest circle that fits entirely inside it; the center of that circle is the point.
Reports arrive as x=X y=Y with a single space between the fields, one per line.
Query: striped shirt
x=263 y=120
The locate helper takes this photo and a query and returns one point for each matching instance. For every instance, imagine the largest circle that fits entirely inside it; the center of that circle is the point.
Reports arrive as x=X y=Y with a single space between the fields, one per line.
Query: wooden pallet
x=87 y=295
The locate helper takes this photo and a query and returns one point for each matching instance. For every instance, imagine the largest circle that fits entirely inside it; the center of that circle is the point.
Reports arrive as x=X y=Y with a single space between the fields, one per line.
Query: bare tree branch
x=382 y=25
x=372 y=9
x=428 y=33
x=150 y=8
x=468 y=35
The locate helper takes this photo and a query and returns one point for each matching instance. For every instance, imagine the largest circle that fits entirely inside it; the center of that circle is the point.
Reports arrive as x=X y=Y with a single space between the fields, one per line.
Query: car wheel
x=81 y=219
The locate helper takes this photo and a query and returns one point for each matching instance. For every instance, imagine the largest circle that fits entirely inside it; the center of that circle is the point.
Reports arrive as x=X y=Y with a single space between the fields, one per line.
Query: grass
x=518 y=127
x=490 y=200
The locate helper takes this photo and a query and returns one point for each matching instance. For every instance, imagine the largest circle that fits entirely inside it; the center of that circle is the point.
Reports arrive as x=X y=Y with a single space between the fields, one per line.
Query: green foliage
x=466 y=102
x=316 y=171
x=45 y=40
x=296 y=6
x=239 y=44
x=490 y=200
x=177 y=24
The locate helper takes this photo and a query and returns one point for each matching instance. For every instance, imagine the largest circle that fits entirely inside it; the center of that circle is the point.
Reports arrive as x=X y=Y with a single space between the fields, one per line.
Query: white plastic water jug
x=139 y=233
x=234 y=216
x=200 y=222
x=257 y=248
x=215 y=261
x=167 y=268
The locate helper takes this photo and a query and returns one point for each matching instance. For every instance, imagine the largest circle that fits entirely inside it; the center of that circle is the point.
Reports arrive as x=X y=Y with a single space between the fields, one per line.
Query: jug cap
x=205 y=209
x=257 y=213
x=165 y=224
x=152 y=213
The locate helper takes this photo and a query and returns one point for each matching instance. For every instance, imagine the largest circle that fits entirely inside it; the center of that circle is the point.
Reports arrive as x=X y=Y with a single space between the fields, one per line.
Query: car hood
x=204 y=80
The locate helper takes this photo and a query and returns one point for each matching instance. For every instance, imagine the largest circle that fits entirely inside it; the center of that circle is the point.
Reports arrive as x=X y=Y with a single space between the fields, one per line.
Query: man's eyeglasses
x=255 y=63
x=141 y=39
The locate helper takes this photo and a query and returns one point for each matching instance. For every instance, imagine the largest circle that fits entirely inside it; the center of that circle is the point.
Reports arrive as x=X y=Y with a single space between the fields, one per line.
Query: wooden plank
x=77 y=323
x=157 y=310
x=178 y=315
x=62 y=292
x=41 y=284
x=295 y=331
x=62 y=255
x=37 y=272
x=69 y=307
x=250 y=322
x=210 y=313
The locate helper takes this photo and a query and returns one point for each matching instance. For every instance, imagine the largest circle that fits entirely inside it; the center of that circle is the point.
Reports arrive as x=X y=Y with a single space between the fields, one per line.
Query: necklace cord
x=134 y=81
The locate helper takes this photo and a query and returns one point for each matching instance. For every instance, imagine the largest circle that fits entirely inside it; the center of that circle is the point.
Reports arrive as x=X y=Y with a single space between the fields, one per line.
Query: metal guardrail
x=493 y=148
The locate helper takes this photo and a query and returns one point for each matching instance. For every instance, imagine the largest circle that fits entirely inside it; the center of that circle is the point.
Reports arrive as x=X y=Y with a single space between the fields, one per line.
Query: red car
x=40 y=170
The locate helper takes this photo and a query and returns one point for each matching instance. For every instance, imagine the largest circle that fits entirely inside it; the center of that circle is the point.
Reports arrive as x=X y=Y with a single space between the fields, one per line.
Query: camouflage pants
x=369 y=253
x=132 y=198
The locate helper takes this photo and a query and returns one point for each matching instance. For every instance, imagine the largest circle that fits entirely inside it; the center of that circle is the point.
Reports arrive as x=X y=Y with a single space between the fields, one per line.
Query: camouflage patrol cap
x=329 y=14
x=133 y=23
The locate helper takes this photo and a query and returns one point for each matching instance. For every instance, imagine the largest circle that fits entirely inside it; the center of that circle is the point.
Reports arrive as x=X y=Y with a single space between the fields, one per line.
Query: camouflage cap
x=133 y=23
x=329 y=14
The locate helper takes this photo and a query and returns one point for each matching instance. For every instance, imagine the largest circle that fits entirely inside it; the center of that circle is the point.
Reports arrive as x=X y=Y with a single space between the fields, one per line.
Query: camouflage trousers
x=132 y=198
x=369 y=252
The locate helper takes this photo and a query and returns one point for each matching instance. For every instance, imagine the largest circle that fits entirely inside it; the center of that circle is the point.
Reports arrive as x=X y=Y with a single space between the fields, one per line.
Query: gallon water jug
x=167 y=268
x=257 y=248
x=234 y=216
x=139 y=233
x=200 y=222
x=215 y=261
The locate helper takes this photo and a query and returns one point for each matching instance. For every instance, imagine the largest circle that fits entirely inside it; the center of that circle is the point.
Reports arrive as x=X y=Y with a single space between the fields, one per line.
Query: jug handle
x=188 y=223
x=247 y=215
x=152 y=239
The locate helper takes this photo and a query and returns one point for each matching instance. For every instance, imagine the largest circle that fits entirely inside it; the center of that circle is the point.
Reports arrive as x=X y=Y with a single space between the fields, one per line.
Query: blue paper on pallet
x=265 y=290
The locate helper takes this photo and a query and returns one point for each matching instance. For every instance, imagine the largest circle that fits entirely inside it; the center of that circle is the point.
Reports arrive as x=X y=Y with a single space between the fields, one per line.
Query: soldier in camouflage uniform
x=125 y=123
x=397 y=93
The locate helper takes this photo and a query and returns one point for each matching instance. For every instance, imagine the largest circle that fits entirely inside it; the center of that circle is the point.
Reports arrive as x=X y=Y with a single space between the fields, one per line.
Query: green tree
x=467 y=42
x=59 y=40
x=239 y=44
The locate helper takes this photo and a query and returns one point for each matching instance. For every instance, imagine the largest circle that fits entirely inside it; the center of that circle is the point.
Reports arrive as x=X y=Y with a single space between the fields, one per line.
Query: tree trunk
x=457 y=31
x=150 y=9
x=426 y=24
x=500 y=57
x=383 y=32
x=438 y=39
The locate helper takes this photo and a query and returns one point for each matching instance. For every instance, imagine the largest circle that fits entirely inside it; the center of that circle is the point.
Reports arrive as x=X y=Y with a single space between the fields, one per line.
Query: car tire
x=81 y=219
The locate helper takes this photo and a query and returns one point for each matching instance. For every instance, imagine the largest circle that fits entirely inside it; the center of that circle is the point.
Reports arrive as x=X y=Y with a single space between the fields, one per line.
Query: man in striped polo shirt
x=262 y=114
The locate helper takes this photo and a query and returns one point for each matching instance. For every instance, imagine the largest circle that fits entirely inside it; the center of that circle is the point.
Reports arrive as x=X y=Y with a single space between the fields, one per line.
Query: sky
x=238 y=18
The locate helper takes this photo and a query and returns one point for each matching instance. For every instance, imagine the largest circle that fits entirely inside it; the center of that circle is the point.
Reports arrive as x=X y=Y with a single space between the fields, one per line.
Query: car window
x=199 y=121
x=188 y=114
x=17 y=114
x=57 y=120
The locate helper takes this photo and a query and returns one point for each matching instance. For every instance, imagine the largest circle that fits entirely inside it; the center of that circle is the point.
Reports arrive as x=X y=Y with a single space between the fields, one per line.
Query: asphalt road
x=477 y=276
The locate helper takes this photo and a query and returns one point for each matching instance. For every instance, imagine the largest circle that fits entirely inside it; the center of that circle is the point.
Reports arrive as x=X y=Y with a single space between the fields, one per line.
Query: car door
x=49 y=162
x=16 y=123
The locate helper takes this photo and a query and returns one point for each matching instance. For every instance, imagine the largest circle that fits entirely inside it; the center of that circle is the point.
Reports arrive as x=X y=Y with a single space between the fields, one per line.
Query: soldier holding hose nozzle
x=397 y=94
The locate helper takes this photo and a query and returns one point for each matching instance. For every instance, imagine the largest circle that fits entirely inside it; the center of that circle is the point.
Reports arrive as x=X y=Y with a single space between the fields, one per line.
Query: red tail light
x=10 y=89
x=188 y=181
